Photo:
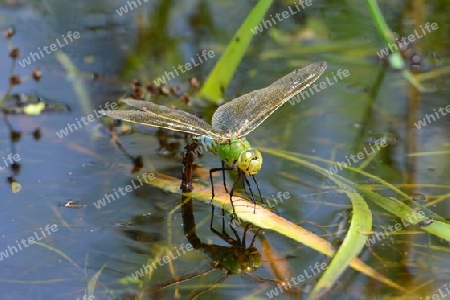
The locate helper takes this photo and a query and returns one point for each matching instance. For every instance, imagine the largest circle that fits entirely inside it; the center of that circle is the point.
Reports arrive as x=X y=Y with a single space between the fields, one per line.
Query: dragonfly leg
x=223 y=235
x=223 y=220
x=212 y=220
x=245 y=182
x=257 y=187
x=212 y=184
x=254 y=236
x=212 y=217
x=246 y=229
x=238 y=239
x=240 y=174
x=223 y=169
x=223 y=175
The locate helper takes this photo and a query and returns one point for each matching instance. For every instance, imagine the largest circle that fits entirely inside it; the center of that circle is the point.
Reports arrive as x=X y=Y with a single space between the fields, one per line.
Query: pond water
x=94 y=251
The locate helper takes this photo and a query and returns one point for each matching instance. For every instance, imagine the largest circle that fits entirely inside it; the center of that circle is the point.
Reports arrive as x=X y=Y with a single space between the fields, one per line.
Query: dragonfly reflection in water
x=236 y=259
x=231 y=122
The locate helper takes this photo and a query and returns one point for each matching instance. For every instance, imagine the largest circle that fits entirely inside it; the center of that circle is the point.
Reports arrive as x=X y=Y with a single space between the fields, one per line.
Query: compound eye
x=250 y=161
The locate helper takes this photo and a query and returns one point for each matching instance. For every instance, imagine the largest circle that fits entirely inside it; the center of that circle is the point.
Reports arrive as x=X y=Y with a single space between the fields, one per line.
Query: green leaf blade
x=220 y=77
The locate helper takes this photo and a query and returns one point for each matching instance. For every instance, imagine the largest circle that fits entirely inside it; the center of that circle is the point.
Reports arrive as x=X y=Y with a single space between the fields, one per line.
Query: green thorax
x=234 y=152
x=226 y=150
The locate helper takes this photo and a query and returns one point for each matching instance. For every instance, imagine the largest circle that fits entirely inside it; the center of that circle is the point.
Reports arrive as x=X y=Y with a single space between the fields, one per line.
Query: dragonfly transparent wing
x=162 y=116
x=243 y=114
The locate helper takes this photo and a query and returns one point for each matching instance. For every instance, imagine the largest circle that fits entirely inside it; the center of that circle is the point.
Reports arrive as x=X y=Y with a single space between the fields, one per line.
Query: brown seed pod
x=185 y=98
x=175 y=90
x=164 y=90
x=14 y=53
x=15 y=80
x=36 y=74
x=194 y=82
x=152 y=89
x=9 y=32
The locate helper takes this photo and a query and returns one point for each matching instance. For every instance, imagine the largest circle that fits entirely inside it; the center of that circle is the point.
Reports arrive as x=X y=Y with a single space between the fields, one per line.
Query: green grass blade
x=62 y=254
x=220 y=77
x=395 y=59
x=440 y=227
x=351 y=247
x=93 y=282
x=78 y=83
x=357 y=234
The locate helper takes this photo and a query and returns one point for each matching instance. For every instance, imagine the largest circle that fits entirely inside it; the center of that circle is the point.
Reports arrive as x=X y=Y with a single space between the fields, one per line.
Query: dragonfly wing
x=243 y=114
x=155 y=115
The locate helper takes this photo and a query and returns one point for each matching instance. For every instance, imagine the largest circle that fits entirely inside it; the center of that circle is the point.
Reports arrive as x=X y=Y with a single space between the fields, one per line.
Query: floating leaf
x=34 y=108
x=15 y=187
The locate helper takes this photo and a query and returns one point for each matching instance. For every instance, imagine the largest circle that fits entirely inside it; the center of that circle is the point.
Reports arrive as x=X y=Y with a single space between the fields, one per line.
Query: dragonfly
x=231 y=122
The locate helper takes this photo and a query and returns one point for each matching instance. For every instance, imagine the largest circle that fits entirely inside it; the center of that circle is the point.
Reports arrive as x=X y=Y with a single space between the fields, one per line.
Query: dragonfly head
x=250 y=161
